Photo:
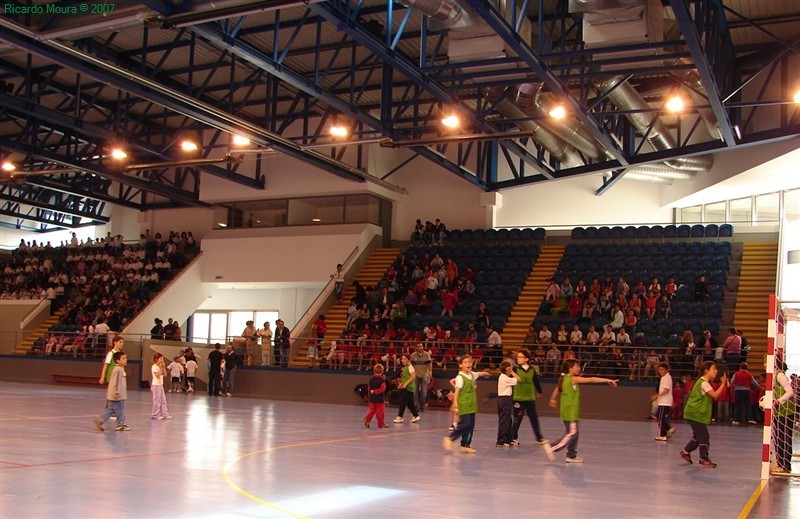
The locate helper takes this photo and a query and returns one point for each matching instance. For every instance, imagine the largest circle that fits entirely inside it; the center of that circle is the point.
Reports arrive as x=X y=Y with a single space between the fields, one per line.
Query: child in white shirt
x=175 y=369
x=505 y=405
x=191 y=371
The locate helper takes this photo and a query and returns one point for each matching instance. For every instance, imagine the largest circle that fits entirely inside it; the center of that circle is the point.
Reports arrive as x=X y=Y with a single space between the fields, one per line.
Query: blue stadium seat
x=658 y=343
x=478 y=234
x=502 y=234
x=539 y=234
x=515 y=234
x=671 y=231
x=696 y=327
x=663 y=327
x=681 y=309
x=678 y=327
x=656 y=232
x=726 y=230
x=467 y=235
x=697 y=231
x=698 y=310
x=717 y=294
x=643 y=232
x=724 y=247
x=712 y=230
x=590 y=233
x=527 y=234
x=714 y=310
x=684 y=231
x=603 y=233
x=674 y=341
x=616 y=232
x=577 y=233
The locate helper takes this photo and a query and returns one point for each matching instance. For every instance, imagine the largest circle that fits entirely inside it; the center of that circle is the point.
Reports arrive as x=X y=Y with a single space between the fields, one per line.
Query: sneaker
x=467 y=450
x=752 y=422
x=548 y=450
x=366 y=424
x=734 y=422
x=99 y=424
x=707 y=464
x=228 y=394
x=542 y=441
x=384 y=426
x=514 y=443
x=686 y=457
x=502 y=445
x=161 y=418
x=451 y=428
x=576 y=459
x=415 y=419
x=168 y=417
x=670 y=432
x=398 y=419
x=447 y=443
x=122 y=428
x=661 y=438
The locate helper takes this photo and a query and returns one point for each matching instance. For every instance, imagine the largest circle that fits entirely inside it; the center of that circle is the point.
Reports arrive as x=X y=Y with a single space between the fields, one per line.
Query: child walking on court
x=465 y=402
x=698 y=413
x=664 y=401
x=405 y=391
x=568 y=388
x=159 y=411
x=505 y=405
x=191 y=371
x=116 y=394
x=525 y=398
x=377 y=393
x=175 y=369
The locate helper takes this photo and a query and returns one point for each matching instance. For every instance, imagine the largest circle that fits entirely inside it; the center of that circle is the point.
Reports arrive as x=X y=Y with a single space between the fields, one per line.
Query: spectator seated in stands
x=651 y=363
x=552 y=360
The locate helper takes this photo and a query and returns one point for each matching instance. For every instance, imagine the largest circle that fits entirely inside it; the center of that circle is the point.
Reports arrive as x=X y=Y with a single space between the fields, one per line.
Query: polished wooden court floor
x=243 y=458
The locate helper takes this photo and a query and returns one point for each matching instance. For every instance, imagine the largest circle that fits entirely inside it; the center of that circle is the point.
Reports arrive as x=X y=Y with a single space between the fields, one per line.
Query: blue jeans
x=421 y=392
x=227 y=380
x=115 y=407
x=464 y=429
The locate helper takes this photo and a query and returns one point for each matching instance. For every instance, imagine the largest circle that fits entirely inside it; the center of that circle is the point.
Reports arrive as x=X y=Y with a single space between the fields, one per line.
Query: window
x=791 y=203
x=692 y=214
x=311 y=211
x=715 y=213
x=767 y=208
x=209 y=327
x=742 y=209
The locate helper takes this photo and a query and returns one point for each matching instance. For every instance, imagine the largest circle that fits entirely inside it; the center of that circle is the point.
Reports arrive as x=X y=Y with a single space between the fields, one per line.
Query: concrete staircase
x=756 y=283
x=336 y=316
x=25 y=346
x=534 y=290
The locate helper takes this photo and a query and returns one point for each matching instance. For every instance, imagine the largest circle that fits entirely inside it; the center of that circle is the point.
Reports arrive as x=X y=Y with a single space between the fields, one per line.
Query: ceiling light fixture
x=8 y=166
x=451 y=121
x=797 y=97
x=339 y=130
x=118 y=154
x=188 y=146
x=558 y=112
x=675 y=104
x=240 y=140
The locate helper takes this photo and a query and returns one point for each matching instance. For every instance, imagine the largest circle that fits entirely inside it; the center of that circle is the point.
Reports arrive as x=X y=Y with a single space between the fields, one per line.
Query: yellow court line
x=753 y=500
x=228 y=466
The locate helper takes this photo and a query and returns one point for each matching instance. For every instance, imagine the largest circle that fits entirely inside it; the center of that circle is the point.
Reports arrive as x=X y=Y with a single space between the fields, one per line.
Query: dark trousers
x=700 y=439
x=742 y=403
x=521 y=408
x=213 y=381
x=570 y=440
x=661 y=416
x=505 y=407
x=406 y=399
x=782 y=439
x=283 y=356
x=464 y=429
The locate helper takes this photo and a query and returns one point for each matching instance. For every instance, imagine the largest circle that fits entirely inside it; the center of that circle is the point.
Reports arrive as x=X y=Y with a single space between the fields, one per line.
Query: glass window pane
x=766 y=209
x=200 y=327
x=741 y=209
x=791 y=203
x=310 y=211
x=219 y=325
x=362 y=208
x=691 y=214
x=269 y=316
x=221 y=217
x=238 y=322
x=715 y=213
x=264 y=213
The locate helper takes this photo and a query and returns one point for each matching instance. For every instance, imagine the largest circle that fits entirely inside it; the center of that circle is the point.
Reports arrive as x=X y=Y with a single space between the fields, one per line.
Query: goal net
x=781 y=412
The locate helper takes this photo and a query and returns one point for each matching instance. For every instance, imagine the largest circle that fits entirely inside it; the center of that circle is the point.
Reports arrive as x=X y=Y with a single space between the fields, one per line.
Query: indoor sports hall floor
x=237 y=457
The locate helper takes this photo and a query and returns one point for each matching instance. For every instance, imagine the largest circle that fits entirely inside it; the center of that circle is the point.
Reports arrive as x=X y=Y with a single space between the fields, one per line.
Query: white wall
x=198 y=220
x=573 y=202
x=789 y=289
x=284 y=254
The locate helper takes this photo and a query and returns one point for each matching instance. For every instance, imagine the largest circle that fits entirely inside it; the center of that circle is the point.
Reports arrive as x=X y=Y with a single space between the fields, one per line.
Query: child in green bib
x=698 y=413
x=465 y=402
x=568 y=388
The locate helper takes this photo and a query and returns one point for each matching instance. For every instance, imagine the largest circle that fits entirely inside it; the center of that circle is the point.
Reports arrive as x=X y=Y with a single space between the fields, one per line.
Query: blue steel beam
x=701 y=61
x=496 y=21
x=39 y=198
x=155 y=92
x=260 y=59
x=411 y=71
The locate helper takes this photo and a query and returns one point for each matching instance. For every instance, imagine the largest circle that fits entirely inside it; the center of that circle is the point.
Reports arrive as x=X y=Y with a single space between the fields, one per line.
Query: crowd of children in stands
x=98 y=284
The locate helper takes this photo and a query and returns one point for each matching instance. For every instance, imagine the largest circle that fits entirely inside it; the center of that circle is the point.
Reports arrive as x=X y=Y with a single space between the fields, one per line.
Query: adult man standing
x=282 y=343
x=215 y=359
x=251 y=341
x=231 y=362
x=422 y=362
